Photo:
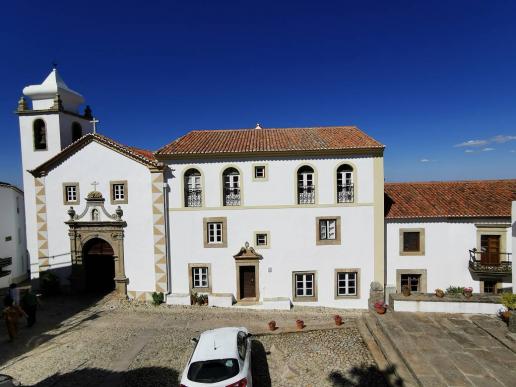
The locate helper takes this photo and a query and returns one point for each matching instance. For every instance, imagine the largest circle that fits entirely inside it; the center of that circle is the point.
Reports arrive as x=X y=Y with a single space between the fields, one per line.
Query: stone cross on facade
x=94 y=121
x=94 y=184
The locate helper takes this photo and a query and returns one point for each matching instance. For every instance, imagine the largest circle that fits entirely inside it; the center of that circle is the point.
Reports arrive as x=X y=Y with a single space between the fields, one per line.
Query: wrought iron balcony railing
x=193 y=197
x=346 y=193
x=490 y=263
x=231 y=196
x=306 y=194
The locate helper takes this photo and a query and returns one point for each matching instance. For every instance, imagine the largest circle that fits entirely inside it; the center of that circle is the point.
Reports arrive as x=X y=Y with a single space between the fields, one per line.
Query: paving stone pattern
x=128 y=344
x=448 y=350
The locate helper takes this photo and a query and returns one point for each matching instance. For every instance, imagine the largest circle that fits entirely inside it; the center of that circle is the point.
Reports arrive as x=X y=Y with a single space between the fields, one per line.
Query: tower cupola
x=43 y=96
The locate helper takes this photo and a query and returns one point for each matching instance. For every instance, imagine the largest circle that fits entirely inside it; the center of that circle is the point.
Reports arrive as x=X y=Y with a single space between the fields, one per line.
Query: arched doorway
x=99 y=266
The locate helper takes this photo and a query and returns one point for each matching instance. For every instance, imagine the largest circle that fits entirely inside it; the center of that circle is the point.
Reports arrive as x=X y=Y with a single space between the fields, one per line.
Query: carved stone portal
x=95 y=222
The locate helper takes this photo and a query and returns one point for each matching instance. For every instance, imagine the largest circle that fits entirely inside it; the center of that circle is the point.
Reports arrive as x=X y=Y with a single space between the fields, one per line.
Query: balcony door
x=490 y=248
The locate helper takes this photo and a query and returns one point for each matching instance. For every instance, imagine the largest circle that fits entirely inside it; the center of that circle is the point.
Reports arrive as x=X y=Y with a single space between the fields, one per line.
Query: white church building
x=259 y=217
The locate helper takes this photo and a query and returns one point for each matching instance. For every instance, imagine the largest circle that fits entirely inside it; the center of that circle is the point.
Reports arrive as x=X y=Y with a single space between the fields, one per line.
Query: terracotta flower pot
x=380 y=310
x=338 y=320
x=505 y=315
x=405 y=290
x=272 y=325
x=439 y=293
x=467 y=293
x=300 y=324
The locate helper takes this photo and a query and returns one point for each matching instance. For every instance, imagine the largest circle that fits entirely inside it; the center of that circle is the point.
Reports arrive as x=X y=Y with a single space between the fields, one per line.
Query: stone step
x=392 y=358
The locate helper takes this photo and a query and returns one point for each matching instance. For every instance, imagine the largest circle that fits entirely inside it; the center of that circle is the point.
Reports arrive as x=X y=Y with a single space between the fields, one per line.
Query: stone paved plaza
x=113 y=344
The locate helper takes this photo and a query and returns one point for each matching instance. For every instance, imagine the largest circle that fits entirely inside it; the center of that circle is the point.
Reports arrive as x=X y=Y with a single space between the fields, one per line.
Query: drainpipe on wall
x=167 y=239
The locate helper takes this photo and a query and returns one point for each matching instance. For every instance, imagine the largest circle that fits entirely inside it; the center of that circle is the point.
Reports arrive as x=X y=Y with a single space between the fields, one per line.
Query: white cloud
x=502 y=139
x=488 y=149
x=512 y=151
x=469 y=151
x=424 y=160
x=472 y=143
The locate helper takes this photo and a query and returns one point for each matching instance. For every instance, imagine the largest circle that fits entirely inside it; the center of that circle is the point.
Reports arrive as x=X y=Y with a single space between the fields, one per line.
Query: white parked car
x=221 y=358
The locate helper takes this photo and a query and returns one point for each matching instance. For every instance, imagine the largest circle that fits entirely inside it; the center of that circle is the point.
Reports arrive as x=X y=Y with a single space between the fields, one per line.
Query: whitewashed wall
x=446 y=257
x=513 y=245
x=95 y=162
x=12 y=213
x=271 y=206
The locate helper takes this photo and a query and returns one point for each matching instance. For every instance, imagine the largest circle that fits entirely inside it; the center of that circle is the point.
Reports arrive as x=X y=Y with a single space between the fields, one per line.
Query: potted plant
x=468 y=292
x=509 y=301
x=439 y=293
x=338 y=320
x=194 y=298
x=405 y=290
x=380 y=307
x=504 y=314
x=300 y=324
x=272 y=325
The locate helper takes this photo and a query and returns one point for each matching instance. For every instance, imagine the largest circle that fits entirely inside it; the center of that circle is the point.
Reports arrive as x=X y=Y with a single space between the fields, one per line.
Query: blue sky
x=420 y=76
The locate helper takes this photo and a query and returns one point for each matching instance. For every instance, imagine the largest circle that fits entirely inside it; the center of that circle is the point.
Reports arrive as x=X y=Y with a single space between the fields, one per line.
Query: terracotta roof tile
x=474 y=198
x=200 y=142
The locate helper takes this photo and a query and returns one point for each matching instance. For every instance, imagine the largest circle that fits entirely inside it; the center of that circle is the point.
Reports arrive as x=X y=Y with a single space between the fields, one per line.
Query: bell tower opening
x=99 y=266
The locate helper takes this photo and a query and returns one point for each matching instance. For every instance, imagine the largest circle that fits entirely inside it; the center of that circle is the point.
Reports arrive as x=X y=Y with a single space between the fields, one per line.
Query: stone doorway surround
x=96 y=222
x=248 y=257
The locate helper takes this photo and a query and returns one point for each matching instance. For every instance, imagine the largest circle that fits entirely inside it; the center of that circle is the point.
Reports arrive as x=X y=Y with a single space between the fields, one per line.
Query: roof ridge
x=283 y=128
x=449 y=181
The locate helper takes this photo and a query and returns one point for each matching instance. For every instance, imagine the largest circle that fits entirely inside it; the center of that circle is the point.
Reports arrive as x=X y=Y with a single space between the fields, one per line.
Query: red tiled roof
x=475 y=198
x=202 y=142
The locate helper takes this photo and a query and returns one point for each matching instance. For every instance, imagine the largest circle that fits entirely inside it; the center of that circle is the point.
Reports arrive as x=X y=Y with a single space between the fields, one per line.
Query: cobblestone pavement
x=125 y=344
x=452 y=350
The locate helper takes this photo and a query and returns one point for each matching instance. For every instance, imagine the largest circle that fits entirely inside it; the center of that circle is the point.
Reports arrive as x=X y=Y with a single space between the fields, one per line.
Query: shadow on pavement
x=141 y=377
x=260 y=366
x=56 y=315
x=366 y=376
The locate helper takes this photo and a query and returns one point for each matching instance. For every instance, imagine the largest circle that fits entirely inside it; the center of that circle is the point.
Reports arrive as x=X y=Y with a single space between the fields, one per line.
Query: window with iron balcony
x=193 y=188
x=305 y=185
x=345 y=186
x=231 y=181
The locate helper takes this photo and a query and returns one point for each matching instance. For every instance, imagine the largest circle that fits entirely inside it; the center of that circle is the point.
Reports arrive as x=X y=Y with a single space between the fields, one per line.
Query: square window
x=413 y=281
x=347 y=283
x=261 y=239
x=71 y=193
x=259 y=172
x=119 y=192
x=490 y=287
x=411 y=241
x=200 y=277
x=8 y=238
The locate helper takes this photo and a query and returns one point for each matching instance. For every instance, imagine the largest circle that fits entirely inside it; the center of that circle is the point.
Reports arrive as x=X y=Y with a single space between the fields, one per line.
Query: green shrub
x=194 y=298
x=49 y=284
x=454 y=290
x=158 y=298
x=509 y=300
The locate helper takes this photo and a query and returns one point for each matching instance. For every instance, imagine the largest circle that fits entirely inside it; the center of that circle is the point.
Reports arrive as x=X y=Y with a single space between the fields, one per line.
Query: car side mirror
x=193 y=340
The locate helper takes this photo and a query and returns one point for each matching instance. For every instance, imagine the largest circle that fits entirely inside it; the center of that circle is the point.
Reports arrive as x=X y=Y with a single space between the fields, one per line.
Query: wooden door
x=490 y=247
x=247 y=282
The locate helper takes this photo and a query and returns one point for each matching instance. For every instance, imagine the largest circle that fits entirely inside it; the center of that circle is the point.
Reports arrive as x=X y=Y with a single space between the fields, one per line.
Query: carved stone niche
x=96 y=222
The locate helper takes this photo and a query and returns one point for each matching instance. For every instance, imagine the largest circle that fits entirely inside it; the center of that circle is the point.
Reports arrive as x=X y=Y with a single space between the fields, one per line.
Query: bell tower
x=50 y=120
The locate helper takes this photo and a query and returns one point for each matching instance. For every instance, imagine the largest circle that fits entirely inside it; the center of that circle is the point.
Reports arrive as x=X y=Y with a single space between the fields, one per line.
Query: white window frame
x=262 y=239
x=303 y=279
x=71 y=193
x=200 y=277
x=260 y=172
x=325 y=226
x=215 y=232
x=118 y=192
x=349 y=280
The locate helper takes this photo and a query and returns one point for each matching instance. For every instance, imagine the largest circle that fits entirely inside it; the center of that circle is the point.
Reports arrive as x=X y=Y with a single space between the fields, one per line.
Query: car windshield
x=212 y=371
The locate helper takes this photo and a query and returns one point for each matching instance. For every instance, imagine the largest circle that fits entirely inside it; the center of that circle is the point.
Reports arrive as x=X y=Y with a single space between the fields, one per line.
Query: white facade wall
x=58 y=131
x=513 y=220
x=95 y=162
x=446 y=257
x=13 y=242
x=271 y=205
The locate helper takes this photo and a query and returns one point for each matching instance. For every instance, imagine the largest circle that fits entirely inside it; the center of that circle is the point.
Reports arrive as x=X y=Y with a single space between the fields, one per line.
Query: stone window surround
x=65 y=196
x=266 y=246
x=353 y=296
x=224 y=222
x=422 y=281
x=304 y=298
x=492 y=230
x=337 y=240
x=355 y=184
x=266 y=172
x=126 y=192
x=190 y=277
x=421 y=232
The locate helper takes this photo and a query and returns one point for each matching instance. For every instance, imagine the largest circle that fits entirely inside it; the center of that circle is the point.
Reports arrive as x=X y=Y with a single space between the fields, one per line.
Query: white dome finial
x=258 y=126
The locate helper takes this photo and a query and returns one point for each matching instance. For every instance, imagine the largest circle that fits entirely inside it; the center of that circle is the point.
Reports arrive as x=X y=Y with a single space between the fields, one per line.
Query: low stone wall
x=476 y=304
